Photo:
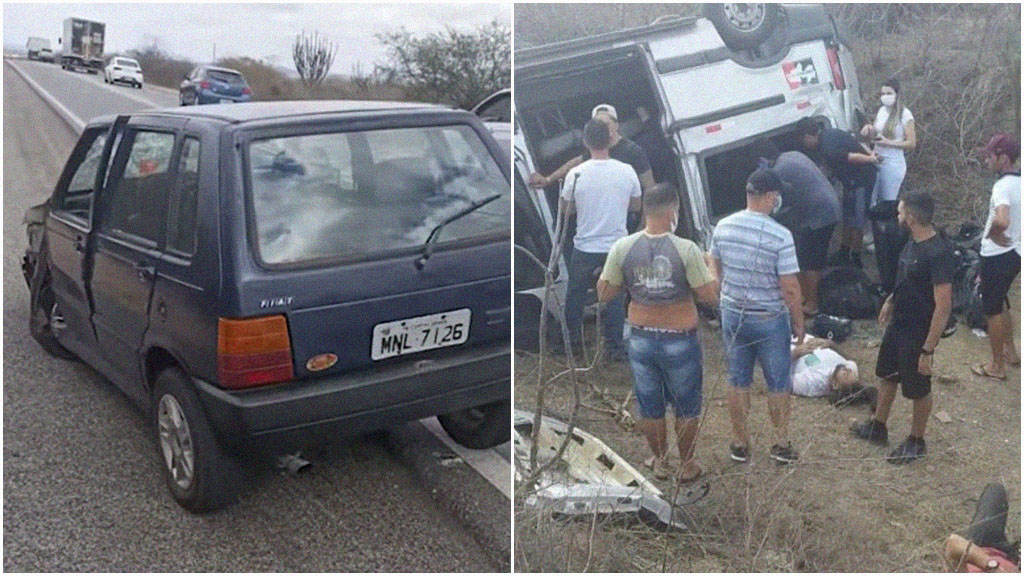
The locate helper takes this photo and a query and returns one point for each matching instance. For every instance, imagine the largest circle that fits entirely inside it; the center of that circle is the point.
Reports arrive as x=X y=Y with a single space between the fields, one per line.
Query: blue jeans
x=764 y=337
x=666 y=369
x=581 y=279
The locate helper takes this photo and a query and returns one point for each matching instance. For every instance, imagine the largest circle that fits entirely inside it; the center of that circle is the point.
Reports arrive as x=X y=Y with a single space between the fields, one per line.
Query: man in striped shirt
x=755 y=259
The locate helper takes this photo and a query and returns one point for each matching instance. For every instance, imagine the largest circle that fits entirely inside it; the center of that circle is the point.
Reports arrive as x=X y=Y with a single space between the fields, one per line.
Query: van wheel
x=742 y=26
x=200 y=475
x=44 y=315
x=481 y=426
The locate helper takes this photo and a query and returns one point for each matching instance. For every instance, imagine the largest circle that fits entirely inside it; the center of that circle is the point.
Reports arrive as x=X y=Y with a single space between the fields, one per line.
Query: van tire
x=42 y=306
x=215 y=475
x=739 y=28
x=481 y=426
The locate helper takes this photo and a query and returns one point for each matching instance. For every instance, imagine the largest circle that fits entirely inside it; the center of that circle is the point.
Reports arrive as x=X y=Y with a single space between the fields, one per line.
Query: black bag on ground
x=847 y=292
x=832 y=327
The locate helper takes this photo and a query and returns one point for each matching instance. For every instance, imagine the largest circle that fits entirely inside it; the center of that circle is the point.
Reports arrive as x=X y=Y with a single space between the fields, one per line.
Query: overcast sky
x=261 y=31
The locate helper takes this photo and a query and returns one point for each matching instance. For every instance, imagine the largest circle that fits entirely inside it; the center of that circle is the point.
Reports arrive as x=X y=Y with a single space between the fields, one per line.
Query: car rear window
x=232 y=78
x=353 y=195
x=127 y=63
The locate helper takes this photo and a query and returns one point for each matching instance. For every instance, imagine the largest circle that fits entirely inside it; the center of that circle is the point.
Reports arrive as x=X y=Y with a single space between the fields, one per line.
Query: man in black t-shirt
x=916 y=313
x=855 y=167
x=622 y=149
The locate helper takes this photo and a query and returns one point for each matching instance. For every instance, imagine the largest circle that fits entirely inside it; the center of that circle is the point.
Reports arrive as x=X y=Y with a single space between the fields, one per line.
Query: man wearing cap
x=621 y=149
x=1000 y=253
x=854 y=166
x=755 y=259
x=601 y=192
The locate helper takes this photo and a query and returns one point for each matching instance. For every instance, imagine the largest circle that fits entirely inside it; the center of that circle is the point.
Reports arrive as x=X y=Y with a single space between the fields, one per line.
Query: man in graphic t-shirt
x=601 y=192
x=662 y=273
x=1000 y=254
x=915 y=315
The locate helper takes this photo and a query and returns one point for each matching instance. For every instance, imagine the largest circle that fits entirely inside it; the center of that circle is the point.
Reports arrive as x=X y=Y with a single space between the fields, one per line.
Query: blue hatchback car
x=265 y=276
x=214 y=85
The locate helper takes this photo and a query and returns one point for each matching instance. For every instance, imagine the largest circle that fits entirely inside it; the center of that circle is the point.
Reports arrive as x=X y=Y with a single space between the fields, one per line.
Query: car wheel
x=742 y=26
x=481 y=426
x=200 y=476
x=45 y=316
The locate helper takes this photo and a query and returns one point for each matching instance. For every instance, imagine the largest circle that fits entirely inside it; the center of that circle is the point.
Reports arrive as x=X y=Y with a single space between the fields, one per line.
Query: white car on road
x=125 y=70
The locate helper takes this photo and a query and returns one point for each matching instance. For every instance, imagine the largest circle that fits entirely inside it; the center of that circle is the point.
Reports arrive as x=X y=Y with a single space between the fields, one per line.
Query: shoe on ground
x=908 y=451
x=738 y=453
x=871 y=430
x=783 y=453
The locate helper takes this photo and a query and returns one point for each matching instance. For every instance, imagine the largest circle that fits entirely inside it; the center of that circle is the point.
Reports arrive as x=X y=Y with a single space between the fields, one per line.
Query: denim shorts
x=855 y=207
x=763 y=337
x=666 y=369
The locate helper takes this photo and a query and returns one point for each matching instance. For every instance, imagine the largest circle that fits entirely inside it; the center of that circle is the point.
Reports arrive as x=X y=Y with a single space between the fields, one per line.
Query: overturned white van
x=716 y=84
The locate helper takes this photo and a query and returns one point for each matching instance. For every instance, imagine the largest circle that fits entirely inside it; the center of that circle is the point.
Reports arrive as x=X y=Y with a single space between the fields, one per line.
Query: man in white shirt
x=601 y=192
x=1000 y=254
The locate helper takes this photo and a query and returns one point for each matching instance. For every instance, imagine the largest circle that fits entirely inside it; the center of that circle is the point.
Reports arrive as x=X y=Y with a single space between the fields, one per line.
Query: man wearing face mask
x=755 y=259
x=662 y=273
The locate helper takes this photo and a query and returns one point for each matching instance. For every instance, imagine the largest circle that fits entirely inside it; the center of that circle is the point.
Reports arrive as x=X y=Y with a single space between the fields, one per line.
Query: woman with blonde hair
x=893 y=134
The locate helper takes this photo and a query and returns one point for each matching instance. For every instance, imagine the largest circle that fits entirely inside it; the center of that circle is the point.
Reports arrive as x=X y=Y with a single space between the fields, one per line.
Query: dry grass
x=841 y=508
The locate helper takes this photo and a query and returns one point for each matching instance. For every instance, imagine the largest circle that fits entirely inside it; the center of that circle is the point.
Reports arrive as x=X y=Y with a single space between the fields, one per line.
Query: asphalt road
x=82 y=483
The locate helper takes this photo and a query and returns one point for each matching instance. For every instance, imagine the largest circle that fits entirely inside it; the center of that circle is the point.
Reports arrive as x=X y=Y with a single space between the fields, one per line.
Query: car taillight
x=837 y=71
x=253 y=352
x=204 y=85
x=246 y=90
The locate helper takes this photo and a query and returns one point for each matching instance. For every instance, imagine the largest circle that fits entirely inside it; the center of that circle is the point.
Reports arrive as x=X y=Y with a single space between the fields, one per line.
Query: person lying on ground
x=818 y=371
x=983 y=547
x=662 y=273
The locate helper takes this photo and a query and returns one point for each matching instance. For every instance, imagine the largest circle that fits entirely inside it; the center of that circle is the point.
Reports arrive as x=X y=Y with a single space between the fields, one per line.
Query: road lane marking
x=487 y=463
x=68 y=116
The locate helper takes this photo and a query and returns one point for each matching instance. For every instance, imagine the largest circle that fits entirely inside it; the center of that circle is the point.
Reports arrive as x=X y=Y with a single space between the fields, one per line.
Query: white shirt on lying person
x=811 y=372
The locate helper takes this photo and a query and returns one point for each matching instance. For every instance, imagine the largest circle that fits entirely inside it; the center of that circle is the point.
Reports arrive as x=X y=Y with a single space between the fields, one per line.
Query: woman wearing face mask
x=893 y=133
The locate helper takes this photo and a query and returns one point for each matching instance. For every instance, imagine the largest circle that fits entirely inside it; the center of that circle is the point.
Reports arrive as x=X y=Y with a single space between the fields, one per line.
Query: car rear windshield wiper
x=428 y=246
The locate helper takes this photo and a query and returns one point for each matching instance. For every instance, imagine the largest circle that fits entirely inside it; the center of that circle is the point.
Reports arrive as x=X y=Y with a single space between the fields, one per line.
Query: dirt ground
x=841 y=508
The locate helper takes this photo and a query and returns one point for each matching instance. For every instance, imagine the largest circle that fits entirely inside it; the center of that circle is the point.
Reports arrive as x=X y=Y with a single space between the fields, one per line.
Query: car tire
x=43 y=308
x=481 y=426
x=200 y=476
x=742 y=26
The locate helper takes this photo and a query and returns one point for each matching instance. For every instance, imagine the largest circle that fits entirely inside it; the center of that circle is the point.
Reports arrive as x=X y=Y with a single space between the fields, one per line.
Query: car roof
x=219 y=69
x=250 y=111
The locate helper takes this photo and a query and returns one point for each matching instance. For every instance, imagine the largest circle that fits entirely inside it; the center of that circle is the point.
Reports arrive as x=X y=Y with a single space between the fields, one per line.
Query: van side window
x=181 y=212
x=138 y=202
x=76 y=200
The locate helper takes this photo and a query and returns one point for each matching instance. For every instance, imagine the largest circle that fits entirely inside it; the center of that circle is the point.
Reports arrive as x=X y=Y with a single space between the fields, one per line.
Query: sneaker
x=907 y=452
x=738 y=453
x=871 y=430
x=783 y=454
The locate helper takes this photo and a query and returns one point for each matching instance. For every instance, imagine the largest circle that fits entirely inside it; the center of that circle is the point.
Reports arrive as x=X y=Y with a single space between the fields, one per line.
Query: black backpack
x=847 y=292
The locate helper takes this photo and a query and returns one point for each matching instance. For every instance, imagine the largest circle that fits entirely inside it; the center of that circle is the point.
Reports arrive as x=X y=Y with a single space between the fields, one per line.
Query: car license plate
x=226 y=101
x=418 y=334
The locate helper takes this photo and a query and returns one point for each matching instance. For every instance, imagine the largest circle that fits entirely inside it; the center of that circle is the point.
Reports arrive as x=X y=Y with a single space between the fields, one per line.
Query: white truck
x=35 y=45
x=82 y=45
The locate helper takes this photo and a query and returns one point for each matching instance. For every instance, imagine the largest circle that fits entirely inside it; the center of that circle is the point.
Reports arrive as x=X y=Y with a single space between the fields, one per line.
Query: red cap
x=1002 y=143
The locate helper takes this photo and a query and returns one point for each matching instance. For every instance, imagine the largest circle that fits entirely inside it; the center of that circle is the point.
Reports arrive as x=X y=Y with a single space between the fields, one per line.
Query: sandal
x=694 y=478
x=982 y=370
x=661 y=472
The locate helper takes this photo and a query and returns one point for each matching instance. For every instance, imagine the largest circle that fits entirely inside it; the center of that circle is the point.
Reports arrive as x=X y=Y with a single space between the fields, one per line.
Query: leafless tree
x=313 y=55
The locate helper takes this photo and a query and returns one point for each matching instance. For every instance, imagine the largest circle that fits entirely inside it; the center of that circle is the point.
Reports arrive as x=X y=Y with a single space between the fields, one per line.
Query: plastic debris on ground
x=291 y=463
x=590 y=478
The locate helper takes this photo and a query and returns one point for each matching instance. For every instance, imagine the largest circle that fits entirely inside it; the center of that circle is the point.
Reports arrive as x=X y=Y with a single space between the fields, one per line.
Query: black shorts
x=812 y=247
x=997 y=274
x=898 y=355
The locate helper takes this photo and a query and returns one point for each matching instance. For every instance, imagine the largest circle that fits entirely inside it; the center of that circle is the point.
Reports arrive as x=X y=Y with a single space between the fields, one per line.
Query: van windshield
x=352 y=195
